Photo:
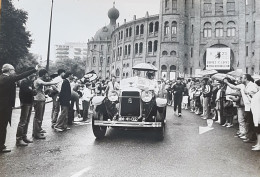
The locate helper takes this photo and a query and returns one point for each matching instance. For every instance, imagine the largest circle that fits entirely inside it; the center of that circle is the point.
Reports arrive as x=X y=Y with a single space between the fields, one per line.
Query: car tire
x=160 y=132
x=99 y=131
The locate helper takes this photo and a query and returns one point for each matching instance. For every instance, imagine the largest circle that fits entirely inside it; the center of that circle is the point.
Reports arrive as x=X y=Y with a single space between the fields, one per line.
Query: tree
x=14 y=39
x=76 y=66
x=29 y=60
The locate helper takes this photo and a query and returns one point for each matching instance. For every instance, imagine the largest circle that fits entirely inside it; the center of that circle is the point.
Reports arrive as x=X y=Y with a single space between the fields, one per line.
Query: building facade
x=176 y=40
x=71 y=51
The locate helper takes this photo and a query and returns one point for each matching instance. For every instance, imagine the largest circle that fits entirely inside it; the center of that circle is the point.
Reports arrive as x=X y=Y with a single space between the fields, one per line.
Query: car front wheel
x=99 y=131
x=161 y=130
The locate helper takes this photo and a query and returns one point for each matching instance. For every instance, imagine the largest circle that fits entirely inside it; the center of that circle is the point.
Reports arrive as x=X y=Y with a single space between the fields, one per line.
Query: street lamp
x=48 y=53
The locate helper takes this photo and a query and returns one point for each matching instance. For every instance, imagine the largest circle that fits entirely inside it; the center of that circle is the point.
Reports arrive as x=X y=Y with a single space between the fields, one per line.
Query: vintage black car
x=135 y=105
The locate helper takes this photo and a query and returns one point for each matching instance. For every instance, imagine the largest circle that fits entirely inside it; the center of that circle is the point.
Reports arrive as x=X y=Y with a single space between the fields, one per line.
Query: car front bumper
x=127 y=124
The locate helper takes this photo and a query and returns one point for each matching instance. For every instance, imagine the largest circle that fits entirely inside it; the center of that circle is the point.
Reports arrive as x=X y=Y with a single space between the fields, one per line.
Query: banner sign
x=218 y=58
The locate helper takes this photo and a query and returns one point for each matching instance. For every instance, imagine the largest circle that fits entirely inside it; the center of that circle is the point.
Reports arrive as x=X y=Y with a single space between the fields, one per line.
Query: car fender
x=161 y=102
x=97 y=100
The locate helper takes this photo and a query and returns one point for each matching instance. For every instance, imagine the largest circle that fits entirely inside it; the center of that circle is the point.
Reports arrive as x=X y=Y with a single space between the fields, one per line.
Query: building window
x=129 y=49
x=164 y=68
x=150 y=46
x=108 y=60
x=166 y=28
x=137 y=30
x=192 y=4
x=247 y=70
x=155 y=46
x=174 y=28
x=219 y=29
x=130 y=31
x=219 y=7
x=121 y=51
x=207 y=8
x=207 y=30
x=185 y=33
x=192 y=28
x=254 y=32
x=174 y=4
x=246 y=2
x=122 y=33
x=247 y=51
x=126 y=74
x=101 y=61
x=190 y=71
x=127 y=32
x=151 y=27
x=164 y=53
x=173 y=68
x=191 y=52
x=142 y=29
x=94 y=60
x=117 y=72
x=252 y=71
x=173 y=53
x=95 y=46
x=166 y=3
x=141 y=48
x=125 y=49
x=231 y=8
x=136 y=48
x=156 y=27
x=246 y=26
x=231 y=29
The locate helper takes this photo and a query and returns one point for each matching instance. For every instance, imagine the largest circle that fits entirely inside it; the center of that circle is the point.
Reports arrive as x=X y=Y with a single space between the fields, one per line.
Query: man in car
x=112 y=86
x=150 y=75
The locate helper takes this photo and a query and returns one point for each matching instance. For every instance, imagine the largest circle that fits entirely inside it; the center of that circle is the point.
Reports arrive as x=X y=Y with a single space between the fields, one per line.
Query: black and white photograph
x=129 y=88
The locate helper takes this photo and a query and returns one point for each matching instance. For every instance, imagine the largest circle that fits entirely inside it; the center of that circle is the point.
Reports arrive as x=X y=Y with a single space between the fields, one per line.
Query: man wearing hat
x=26 y=94
x=7 y=99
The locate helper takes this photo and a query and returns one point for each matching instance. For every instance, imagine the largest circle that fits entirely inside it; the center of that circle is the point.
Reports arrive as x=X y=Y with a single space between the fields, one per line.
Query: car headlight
x=113 y=96
x=146 y=96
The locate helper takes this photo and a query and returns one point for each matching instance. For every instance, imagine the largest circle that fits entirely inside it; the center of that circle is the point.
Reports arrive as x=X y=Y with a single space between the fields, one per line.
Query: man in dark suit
x=64 y=99
x=7 y=99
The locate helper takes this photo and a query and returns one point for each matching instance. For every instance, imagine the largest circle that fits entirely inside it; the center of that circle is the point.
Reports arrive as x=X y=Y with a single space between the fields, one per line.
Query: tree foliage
x=29 y=60
x=76 y=66
x=14 y=38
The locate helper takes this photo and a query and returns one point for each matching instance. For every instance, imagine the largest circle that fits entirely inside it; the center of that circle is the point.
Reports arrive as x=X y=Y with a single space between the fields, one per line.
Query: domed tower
x=113 y=15
x=99 y=48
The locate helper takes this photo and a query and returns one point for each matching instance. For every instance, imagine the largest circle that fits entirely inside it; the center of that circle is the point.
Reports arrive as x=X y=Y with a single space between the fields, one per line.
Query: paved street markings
x=81 y=172
x=204 y=129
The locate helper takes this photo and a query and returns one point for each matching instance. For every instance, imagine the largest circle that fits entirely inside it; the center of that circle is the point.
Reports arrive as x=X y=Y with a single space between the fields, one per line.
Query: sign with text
x=218 y=58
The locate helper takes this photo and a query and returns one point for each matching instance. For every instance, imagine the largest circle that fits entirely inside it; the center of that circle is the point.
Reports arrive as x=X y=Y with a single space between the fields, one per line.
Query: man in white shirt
x=87 y=96
x=56 y=103
x=112 y=86
x=248 y=89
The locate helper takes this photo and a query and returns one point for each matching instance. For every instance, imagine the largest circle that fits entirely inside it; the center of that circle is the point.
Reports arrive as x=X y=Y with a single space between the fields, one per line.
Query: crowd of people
x=70 y=96
x=220 y=100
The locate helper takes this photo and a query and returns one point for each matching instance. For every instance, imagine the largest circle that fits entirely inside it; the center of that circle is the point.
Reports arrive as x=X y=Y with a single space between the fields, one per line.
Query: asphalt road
x=183 y=152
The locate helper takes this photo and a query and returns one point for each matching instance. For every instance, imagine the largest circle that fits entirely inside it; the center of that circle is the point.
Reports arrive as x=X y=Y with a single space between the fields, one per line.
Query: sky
x=76 y=20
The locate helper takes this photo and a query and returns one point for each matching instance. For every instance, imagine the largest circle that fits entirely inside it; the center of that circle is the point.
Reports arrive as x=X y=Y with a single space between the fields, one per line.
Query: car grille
x=130 y=104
